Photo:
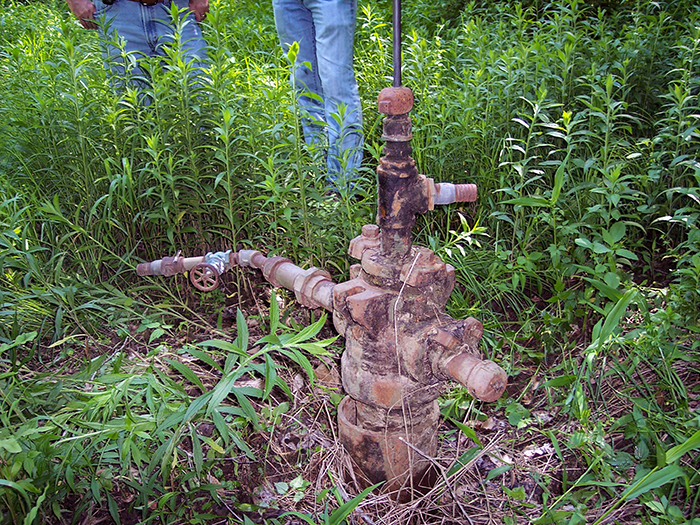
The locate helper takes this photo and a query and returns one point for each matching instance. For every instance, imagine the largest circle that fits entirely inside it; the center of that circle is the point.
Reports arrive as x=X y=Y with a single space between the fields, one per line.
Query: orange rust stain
x=386 y=393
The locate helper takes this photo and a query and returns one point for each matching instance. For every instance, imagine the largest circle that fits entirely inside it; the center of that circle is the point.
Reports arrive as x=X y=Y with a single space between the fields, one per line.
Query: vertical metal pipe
x=396 y=15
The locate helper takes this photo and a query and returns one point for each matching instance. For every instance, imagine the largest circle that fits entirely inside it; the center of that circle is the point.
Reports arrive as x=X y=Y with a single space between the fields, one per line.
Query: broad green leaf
x=11 y=445
x=213 y=444
x=676 y=452
x=197 y=454
x=221 y=390
x=270 y=376
x=156 y=334
x=652 y=481
x=626 y=254
x=301 y=360
x=204 y=357
x=564 y=380
x=463 y=460
x=271 y=339
x=230 y=362
x=187 y=373
x=307 y=332
x=113 y=509
x=95 y=488
x=612 y=320
x=19 y=341
x=242 y=446
x=31 y=515
x=220 y=424
x=617 y=232
x=612 y=280
x=467 y=431
x=559 y=180
x=70 y=478
x=533 y=201
x=342 y=512
x=247 y=407
x=15 y=486
x=223 y=345
x=518 y=493
x=584 y=243
x=494 y=473
x=195 y=407
x=608 y=291
x=600 y=248
x=242 y=328
x=274 y=314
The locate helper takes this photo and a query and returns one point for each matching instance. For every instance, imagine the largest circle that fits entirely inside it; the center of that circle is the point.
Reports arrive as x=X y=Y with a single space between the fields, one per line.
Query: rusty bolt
x=466 y=192
x=368 y=240
x=313 y=288
x=473 y=331
x=355 y=270
x=446 y=339
x=370 y=231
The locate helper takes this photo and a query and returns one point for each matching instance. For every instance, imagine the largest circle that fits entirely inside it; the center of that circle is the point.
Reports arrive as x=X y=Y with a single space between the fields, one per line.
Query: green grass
x=579 y=124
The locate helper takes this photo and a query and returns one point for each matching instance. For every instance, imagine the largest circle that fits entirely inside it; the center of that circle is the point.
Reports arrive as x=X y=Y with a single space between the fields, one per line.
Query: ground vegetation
x=141 y=400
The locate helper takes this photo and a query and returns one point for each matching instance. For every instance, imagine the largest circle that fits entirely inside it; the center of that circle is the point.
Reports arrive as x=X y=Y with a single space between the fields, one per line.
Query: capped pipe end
x=485 y=380
x=395 y=100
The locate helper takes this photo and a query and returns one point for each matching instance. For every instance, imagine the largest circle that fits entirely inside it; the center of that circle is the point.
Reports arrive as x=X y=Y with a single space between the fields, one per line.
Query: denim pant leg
x=192 y=43
x=334 y=22
x=325 y=31
x=295 y=24
x=123 y=41
x=144 y=30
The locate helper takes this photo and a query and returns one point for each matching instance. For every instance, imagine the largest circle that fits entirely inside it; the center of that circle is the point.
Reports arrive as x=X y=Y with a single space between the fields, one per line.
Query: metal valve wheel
x=204 y=277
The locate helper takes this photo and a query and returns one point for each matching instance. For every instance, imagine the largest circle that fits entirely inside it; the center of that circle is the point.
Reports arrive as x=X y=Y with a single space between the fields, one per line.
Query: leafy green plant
x=337 y=516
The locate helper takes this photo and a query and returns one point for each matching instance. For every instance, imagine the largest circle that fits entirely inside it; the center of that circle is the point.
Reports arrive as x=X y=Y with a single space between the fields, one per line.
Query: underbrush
x=142 y=400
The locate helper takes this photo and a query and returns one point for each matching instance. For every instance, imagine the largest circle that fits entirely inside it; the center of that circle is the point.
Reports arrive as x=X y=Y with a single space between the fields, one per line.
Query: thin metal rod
x=396 y=15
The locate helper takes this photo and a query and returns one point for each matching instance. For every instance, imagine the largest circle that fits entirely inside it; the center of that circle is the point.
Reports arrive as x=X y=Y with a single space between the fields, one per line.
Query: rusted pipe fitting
x=395 y=100
x=448 y=193
x=385 y=456
x=312 y=288
x=456 y=358
x=484 y=380
x=168 y=266
x=401 y=192
x=369 y=239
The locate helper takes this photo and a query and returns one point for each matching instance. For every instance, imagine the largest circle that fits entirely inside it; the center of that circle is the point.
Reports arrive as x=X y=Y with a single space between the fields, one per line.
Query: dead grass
x=540 y=468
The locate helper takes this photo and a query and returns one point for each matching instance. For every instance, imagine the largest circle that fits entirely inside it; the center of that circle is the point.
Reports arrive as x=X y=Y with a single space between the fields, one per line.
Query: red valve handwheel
x=204 y=277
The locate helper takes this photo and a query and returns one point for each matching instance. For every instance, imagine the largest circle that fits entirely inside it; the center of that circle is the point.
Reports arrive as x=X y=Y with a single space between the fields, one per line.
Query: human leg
x=334 y=23
x=123 y=40
x=295 y=24
x=162 y=32
x=130 y=31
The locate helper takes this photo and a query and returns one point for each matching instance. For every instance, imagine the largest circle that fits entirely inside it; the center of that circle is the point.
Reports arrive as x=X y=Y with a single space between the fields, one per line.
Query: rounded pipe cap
x=485 y=380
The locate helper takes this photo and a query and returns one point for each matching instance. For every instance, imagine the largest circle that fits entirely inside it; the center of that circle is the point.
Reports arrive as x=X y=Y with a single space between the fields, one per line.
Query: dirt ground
x=523 y=466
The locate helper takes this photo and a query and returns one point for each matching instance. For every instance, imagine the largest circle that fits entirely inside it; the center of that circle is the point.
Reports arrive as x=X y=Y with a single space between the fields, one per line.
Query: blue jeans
x=328 y=94
x=145 y=30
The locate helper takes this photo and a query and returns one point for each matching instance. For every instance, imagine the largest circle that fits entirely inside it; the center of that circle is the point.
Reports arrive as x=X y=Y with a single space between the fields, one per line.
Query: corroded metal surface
x=385 y=456
x=400 y=346
x=395 y=100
